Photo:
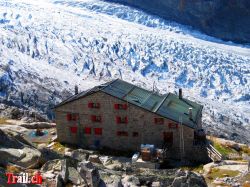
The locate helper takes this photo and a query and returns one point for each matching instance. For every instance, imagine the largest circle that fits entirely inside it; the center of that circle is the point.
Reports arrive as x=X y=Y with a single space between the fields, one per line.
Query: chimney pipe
x=76 y=89
x=180 y=93
x=190 y=113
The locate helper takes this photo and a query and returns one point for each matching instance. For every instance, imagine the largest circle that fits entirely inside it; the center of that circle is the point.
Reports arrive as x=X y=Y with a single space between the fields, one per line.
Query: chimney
x=190 y=113
x=76 y=89
x=180 y=93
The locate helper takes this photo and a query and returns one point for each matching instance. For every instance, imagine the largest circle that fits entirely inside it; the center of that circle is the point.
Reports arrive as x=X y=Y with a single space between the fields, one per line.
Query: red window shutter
x=116 y=106
x=125 y=106
x=98 y=131
x=118 y=119
x=173 y=125
x=73 y=130
x=96 y=118
x=159 y=121
x=122 y=133
x=69 y=117
x=90 y=105
x=87 y=130
x=126 y=120
x=93 y=118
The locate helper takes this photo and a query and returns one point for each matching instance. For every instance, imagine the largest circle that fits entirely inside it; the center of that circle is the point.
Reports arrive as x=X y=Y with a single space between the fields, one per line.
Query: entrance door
x=168 y=138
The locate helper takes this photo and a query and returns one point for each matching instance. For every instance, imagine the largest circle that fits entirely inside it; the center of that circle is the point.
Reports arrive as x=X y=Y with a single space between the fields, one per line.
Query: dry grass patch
x=58 y=147
x=13 y=169
x=245 y=149
x=197 y=169
x=3 y=121
x=221 y=173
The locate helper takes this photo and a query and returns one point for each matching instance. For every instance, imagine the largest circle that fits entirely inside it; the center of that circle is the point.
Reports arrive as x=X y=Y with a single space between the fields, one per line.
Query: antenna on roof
x=180 y=93
x=76 y=89
x=190 y=113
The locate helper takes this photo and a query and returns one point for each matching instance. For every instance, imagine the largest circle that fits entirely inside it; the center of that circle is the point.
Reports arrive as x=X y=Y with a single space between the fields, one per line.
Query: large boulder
x=89 y=173
x=16 y=152
x=95 y=159
x=64 y=171
x=80 y=155
x=188 y=179
x=130 y=181
x=74 y=177
x=52 y=165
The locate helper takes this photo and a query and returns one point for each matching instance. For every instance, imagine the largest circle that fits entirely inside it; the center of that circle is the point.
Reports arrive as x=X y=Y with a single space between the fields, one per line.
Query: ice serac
x=225 y=19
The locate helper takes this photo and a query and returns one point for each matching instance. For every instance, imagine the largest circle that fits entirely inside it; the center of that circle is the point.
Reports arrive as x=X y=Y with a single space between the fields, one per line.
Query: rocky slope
x=228 y=20
x=61 y=165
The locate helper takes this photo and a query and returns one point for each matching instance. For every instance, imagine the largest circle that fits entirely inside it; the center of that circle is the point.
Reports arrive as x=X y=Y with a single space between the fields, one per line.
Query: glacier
x=49 y=46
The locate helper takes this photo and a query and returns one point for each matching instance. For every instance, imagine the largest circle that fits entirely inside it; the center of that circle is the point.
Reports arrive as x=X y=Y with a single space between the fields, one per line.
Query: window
x=69 y=117
x=96 y=118
x=94 y=105
x=173 y=125
x=98 y=131
x=120 y=120
x=120 y=106
x=87 y=130
x=159 y=121
x=122 y=133
x=73 y=130
x=168 y=138
x=135 y=134
x=72 y=117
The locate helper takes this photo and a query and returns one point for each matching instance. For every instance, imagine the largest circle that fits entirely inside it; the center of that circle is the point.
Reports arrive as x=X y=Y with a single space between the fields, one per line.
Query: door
x=168 y=138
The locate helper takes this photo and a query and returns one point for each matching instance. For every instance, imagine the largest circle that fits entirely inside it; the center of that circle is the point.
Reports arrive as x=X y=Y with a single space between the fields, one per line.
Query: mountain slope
x=228 y=20
x=49 y=46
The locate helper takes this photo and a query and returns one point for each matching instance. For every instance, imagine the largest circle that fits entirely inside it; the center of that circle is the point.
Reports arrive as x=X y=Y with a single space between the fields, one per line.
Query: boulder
x=80 y=155
x=156 y=184
x=106 y=160
x=52 y=165
x=16 y=152
x=130 y=181
x=48 y=154
x=188 y=179
x=89 y=173
x=59 y=181
x=74 y=177
x=48 y=175
x=95 y=159
x=115 y=166
x=110 y=180
x=236 y=147
x=64 y=171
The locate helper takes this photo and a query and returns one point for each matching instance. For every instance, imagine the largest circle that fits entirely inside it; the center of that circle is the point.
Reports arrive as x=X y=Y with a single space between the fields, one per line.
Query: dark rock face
x=225 y=19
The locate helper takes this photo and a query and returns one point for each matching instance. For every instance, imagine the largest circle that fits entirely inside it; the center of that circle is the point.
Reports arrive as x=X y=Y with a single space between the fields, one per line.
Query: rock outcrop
x=188 y=179
x=13 y=151
x=228 y=20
